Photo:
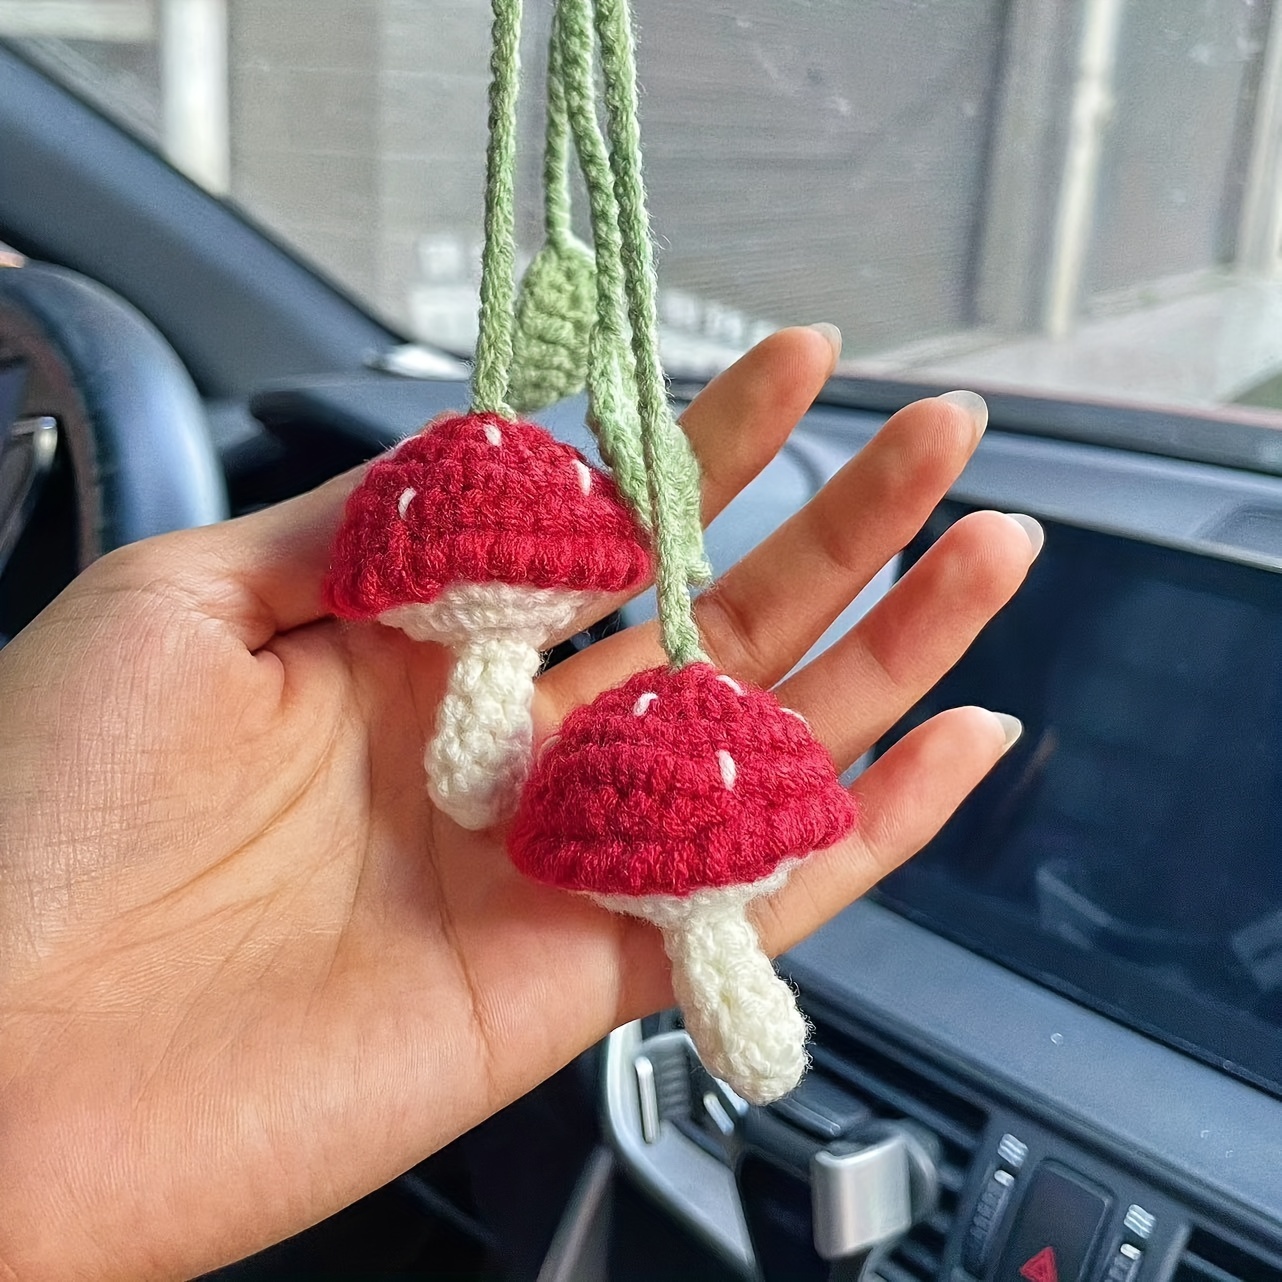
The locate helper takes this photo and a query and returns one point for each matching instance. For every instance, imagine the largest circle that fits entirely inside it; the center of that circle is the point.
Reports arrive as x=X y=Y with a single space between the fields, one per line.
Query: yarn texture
x=675 y=493
x=682 y=795
x=555 y=309
x=489 y=500
x=739 y=1013
x=498 y=255
x=612 y=391
x=479 y=757
x=632 y=799
x=679 y=797
x=556 y=303
x=737 y=1009
x=489 y=536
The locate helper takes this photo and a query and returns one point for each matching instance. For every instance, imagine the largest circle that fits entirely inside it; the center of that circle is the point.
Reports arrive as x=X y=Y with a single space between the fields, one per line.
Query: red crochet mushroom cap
x=675 y=782
x=477 y=498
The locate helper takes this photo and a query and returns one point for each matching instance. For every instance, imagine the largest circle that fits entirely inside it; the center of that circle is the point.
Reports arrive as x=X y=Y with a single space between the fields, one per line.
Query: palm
x=246 y=959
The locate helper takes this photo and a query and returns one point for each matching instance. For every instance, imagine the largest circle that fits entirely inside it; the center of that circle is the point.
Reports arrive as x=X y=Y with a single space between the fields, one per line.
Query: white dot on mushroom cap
x=792 y=712
x=585 y=476
x=643 y=703
x=493 y=434
x=407 y=497
x=731 y=682
x=729 y=771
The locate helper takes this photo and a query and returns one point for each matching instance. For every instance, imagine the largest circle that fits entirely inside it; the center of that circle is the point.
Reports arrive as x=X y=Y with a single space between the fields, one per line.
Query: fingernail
x=973 y=404
x=832 y=334
x=1036 y=535
x=1012 y=728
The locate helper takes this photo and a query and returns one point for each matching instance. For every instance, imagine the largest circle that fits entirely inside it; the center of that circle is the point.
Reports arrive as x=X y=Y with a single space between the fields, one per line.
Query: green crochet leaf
x=555 y=310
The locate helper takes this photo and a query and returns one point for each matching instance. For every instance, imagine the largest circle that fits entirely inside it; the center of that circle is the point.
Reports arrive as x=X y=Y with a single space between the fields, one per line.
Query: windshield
x=1080 y=200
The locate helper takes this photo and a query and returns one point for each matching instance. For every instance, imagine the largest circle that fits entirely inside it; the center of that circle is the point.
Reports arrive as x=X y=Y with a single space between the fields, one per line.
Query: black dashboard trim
x=1149 y=1108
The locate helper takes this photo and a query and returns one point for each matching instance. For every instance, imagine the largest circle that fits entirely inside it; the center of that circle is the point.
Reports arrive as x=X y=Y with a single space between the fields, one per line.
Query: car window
x=1081 y=200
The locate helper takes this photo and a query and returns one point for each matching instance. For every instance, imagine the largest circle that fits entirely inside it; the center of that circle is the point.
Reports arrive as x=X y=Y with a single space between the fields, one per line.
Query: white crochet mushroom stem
x=479 y=758
x=478 y=761
x=741 y=1016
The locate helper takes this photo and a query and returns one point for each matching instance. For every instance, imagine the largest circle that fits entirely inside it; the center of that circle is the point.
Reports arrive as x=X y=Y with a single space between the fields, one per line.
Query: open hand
x=248 y=974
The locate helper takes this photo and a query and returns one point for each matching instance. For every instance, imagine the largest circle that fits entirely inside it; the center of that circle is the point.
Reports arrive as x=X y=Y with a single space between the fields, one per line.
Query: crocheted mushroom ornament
x=489 y=536
x=679 y=797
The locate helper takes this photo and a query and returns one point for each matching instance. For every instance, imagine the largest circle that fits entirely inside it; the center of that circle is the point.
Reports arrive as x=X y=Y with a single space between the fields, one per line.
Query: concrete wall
x=775 y=132
x=892 y=165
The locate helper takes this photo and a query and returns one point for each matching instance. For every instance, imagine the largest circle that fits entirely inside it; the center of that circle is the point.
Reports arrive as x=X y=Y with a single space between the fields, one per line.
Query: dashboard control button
x=1139 y=1222
x=991 y=1209
x=1125 y=1264
x=1055 y=1229
x=1012 y=1151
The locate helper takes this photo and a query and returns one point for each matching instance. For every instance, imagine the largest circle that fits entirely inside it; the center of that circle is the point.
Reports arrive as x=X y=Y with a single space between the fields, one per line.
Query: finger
x=261 y=574
x=738 y=423
x=859 y=687
x=753 y=625
x=904 y=797
x=768 y=610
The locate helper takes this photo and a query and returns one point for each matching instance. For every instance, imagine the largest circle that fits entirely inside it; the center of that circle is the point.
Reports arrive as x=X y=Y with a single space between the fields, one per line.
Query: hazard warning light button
x=1057 y=1229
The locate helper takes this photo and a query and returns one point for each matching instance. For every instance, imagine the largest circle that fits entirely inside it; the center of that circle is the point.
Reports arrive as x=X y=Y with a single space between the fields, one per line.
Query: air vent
x=893 y=1084
x=1210 y=1258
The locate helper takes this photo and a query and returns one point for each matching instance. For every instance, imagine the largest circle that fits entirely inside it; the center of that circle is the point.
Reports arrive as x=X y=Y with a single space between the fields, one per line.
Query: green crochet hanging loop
x=611 y=376
x=652 y=460
x=555 y=305
x=671 y=468
x=498 y=258
x=554 y=310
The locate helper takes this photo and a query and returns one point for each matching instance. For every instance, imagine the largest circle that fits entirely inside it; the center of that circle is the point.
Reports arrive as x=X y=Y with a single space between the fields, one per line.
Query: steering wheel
x=103 y=437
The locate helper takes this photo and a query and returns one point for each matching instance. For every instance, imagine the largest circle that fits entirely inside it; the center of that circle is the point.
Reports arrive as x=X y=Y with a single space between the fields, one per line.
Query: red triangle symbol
x=1041 y=1268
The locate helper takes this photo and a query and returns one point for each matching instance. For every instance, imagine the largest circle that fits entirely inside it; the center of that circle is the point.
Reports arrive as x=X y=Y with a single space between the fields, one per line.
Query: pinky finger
x=905 y=797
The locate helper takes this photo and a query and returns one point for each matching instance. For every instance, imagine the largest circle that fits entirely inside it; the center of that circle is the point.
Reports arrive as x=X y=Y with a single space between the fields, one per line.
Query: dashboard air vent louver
x=894 y=1085
x=1208 y=1257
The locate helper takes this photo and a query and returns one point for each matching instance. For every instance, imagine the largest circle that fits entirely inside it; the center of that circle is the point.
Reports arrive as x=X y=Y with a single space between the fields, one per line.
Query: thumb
x=260 y=574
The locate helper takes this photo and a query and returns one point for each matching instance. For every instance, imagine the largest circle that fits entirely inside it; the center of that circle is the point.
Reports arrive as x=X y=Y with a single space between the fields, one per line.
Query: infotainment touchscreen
x=1128 y=850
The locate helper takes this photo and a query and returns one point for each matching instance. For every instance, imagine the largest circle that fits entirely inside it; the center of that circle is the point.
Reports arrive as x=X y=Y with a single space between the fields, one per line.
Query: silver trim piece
x=717 y=1114
x=690 y=1183
x=866 y=1194
x=647 y=1098
x=860 y=1196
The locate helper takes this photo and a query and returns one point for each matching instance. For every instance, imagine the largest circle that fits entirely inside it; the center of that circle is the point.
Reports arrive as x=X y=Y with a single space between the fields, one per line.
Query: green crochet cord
x=556 y=151
x=646 y=444
x=555 y=306
x=675 y=494
x=611 y=371
x=498 y=259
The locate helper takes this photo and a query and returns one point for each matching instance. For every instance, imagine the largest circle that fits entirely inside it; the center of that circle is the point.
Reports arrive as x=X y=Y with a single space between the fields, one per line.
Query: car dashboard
x=1063 y=1142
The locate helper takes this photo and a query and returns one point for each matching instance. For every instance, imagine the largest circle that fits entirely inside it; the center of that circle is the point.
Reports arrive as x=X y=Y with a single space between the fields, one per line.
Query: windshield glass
x=1078 y=199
